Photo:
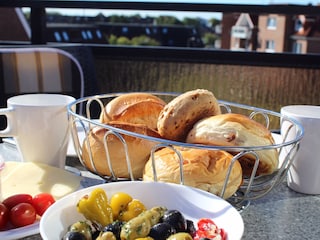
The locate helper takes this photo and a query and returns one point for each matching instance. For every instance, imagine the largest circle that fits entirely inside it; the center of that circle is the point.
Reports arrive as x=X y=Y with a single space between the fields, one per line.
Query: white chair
x=39 y=70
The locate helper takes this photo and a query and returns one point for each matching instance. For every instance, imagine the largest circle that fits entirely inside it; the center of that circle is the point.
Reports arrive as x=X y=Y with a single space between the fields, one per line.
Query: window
x=297 y=47
x=89 y=34
x=298 y=25
x=57 y=36
x=164 y=30
x=272 y=23
x=84 y=35
x=125 y=30
x=99 y=34
x=243 y=43
x=270 y=46
x=65 y=36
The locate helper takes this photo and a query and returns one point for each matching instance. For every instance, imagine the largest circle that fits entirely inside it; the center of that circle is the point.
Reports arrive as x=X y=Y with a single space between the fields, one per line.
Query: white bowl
x=193 y=203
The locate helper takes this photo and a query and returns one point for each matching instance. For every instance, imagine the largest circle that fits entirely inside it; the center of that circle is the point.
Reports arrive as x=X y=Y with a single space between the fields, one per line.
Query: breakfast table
x=281 y=214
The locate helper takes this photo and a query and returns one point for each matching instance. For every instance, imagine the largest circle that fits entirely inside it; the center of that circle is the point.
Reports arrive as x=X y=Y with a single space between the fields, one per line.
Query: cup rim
x=302 y=111
x=40 y=100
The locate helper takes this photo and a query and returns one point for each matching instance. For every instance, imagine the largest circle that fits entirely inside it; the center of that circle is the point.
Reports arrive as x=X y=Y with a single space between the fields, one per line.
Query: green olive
x=180 y=236
x=106 y=236
x=82 y=227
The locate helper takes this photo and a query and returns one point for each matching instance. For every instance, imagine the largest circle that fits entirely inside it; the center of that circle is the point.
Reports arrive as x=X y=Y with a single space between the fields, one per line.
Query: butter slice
x=34 y=178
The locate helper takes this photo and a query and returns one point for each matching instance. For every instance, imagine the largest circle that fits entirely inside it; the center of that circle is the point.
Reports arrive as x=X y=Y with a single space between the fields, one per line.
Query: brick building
x=273 y=33
x=13 y=25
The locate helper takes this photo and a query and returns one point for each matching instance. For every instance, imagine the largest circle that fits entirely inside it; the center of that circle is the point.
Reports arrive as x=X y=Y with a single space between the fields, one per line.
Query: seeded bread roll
x=204 y=169
x=179 y=115
x=138 y=150
x=138 y=108
x=233 y=129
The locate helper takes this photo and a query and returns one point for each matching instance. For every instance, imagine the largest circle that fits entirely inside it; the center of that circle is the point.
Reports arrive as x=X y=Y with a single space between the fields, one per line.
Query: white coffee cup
x=40 y=126
x=304 y=173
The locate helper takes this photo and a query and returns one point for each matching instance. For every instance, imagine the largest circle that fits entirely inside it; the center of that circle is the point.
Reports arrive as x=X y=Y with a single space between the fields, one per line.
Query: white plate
x=20 y=232
x=193 y=203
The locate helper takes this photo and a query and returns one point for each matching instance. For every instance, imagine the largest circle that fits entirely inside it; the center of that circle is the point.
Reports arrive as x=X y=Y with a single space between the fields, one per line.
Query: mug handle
x=8 y=131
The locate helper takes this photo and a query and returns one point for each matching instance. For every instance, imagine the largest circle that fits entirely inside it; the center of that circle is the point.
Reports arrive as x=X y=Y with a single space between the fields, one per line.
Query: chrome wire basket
x=252 y=187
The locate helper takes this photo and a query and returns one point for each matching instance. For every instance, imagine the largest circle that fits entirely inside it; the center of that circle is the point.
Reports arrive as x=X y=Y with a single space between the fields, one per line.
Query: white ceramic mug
x=39 y=124
x=304 y=173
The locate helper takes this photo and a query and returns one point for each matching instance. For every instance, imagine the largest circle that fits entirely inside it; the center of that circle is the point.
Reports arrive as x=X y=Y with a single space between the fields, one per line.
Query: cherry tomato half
x=4 y=215
x=42 y=201
x=208 y=229
x=14 y=200
x=22 y=214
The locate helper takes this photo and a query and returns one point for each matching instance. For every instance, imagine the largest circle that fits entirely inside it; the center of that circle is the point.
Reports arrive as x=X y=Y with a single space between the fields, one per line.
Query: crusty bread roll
x=179 y=115
x=139 y=108
x=233 y=129
x=204 y=169
x=138 y=149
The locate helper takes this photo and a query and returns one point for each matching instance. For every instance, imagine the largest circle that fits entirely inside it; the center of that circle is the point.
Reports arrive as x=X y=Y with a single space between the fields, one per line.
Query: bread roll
x=179 y=115
x=138 y=108
x=233 y=129
x=138 y=149
x=204 y=169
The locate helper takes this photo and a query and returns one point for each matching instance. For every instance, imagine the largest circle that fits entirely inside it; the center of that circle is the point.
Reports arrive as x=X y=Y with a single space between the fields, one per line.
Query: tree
x=209 y=39
x=112 y=39
x=191 y=22
x=144 y=41
x=214 y=21
x=119 y=19
x=123 y=41
x=168 y=20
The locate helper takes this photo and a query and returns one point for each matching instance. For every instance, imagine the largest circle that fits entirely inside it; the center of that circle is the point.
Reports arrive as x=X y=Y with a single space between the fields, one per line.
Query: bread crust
x=138 y=108
x=204 y=169
x=179 y=115
x=233 y=129
x=138 y=150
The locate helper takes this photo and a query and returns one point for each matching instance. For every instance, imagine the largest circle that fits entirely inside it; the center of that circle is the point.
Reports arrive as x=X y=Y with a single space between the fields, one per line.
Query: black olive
x=175 y=219
x=115 y=228
x=161 y=231
x=191 y=229
x=95 y=234
x=72 y=235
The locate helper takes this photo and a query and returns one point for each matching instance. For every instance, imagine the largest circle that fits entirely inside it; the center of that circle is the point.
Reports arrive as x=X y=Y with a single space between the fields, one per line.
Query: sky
x=180 y=15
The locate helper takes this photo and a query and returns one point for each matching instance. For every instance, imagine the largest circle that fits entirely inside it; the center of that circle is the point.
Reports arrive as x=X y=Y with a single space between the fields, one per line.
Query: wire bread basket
x=83 y=117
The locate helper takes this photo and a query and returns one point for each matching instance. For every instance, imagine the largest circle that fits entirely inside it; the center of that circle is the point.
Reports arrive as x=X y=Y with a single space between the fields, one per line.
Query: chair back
x=38 y=70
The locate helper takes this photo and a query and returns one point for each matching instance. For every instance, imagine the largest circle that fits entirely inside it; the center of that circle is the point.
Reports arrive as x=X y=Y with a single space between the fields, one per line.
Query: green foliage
x=144 y=41
x=123 y=41
x=112 y=39
x=119 y=19
x=214 y=21
x=209 y=39
x=136 y=41
x=168 y=20
x=191 y=22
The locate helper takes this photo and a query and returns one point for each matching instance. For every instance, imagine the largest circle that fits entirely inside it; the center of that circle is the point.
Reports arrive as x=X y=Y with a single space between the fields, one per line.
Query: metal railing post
x=38 y=25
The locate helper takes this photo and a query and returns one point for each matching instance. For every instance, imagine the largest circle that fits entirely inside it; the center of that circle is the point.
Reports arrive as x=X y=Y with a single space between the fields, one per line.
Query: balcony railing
x=38 y=9
x=267 y=80
x=38 y=27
